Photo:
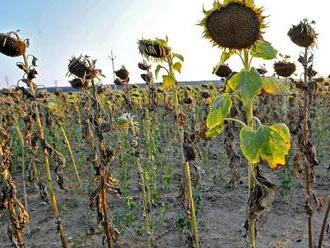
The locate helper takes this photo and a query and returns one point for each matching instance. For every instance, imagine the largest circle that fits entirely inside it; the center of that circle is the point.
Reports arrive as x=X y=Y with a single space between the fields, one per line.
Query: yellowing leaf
x=168 y=82
x=220 y=110
x=226 y=55
x=177 y=66
x=247 y=85
x=284 y=131
x=273 y=85
x=270 y=144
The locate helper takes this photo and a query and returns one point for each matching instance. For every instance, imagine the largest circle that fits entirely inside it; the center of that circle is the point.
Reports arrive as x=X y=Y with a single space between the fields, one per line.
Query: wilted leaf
x=263 y=49
x=247 y=85
x=271 y=144
x=220 y=110
x=273 y=86
x=34 y=60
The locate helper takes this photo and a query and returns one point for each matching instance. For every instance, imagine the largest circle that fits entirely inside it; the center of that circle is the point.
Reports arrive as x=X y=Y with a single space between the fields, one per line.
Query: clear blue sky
x=58 y=29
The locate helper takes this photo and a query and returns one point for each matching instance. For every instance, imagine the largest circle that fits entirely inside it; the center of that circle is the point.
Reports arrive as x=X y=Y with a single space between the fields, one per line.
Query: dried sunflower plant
x=9 y=200
x=12 y=46
x=85 y=72
x=237 y=28
x=304 y=35
x=159 y=51
x=126 y=121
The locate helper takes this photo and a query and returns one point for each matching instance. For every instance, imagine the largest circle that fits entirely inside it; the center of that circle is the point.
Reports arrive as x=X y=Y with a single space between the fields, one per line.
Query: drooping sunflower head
x=233 y=24
x=79 y=66
x=284 y=68
x=78 y=83
x=122 y=73
x=11 y=45
x=83 y=67
x=157 y=49
x=303 y=34
x=222 y=70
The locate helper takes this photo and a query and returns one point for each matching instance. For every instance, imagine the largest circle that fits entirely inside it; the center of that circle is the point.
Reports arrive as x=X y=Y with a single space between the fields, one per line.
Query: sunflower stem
x=46 y=165
x=104 y=173
x=67 y=142
x=186 y=165
x=324 y=224
x=236 y=120
x=20 y=135
x=252 y=225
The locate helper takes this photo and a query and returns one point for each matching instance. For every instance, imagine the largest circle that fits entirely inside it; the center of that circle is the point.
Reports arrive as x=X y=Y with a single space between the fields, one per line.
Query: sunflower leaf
x=267 y=143
x=273 y=86
x=226 y=55
x=168 y=82
x=263 y=49
x=219 y=111
x=178 y=56
x=157 y=70
x=246 y=84
x=177 y=66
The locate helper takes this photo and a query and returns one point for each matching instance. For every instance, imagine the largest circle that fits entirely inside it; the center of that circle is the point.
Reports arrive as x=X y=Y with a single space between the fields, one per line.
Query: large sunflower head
x=157 y=49
x=233 y=24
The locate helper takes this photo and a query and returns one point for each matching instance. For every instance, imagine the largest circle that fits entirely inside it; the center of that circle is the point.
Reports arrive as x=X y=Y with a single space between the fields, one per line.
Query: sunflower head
x=156 y=50
x=147 y=77
x=122 y=73
x=80 y=67
x=233 y=24
x=222 y=70
x=78 y=83
x=205 y=94
x=303 y=34
x=284 y=68
x=11 y=45
x=144 y=65
x=262 y=70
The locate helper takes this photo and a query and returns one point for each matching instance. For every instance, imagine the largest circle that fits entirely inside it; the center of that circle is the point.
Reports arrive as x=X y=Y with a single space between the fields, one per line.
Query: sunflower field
x=242 y=163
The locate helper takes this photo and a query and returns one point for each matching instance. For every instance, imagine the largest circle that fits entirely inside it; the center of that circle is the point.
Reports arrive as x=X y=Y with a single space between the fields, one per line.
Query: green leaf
x=177 y=66
x=179 y=56
x=168 y=82
x=273 y=86
x=220 y=110
x=157 y=70
x=226 y=55
x=264 y=49
x=270 y=144
x=247 y=84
